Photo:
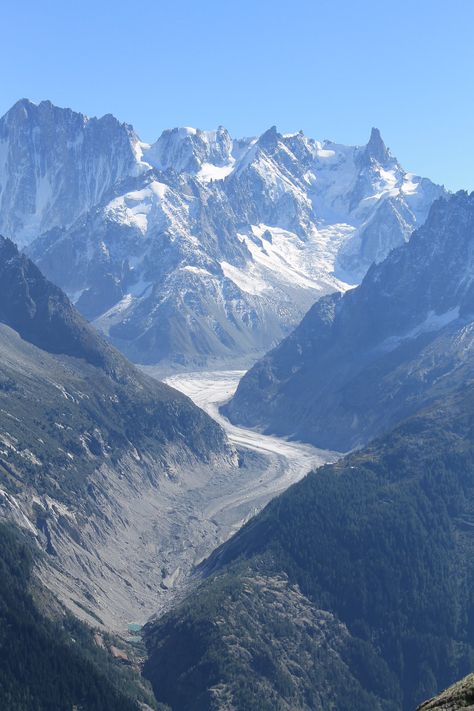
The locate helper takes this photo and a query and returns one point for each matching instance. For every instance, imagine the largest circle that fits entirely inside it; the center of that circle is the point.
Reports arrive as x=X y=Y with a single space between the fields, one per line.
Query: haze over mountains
x=352 y=590
x=88 y=447
x=200 y=247
x=360 y=362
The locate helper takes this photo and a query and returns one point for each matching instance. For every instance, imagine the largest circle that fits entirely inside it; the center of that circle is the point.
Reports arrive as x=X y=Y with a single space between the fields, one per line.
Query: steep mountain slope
x=49 y=660
x=359 y=363
x=352 y=590
x=44 y=316
x=87 y=442
x=56 y=164
x=200 y=246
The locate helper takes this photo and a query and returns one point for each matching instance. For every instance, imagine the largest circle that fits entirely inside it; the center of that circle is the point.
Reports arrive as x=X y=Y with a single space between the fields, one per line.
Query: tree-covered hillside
x=361 y=363
x=45 y=663
x=352 y=590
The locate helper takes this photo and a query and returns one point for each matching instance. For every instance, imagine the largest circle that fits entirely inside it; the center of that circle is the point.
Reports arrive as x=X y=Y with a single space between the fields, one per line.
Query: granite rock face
x=201 y=246
x=360 y=362
x=56 y=165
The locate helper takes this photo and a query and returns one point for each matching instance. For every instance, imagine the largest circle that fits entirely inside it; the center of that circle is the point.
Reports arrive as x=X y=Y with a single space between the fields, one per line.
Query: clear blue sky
x=331 y=67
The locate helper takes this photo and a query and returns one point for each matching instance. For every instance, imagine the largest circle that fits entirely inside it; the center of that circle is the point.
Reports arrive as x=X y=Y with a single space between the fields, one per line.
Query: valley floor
x=207 y=514
x=144 y=564
x=285 y=462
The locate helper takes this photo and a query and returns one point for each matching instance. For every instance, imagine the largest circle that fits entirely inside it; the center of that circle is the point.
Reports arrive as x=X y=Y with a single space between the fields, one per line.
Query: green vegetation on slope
x=251 y=640
x=70 y=402
x=384 y=541
x=51 y=664
x=60 y=418
x=459 y=696
x=361 y=363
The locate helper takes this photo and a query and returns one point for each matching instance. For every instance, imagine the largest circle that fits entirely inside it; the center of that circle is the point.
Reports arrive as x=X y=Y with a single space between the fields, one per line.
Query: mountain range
x=88 y=447
x=200 y=247
x=353 y=589
x=361 y=362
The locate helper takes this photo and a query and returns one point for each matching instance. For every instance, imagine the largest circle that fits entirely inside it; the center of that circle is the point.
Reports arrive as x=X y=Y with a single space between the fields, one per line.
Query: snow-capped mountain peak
x=188 y=149
x=200 y=245
x=56 y=164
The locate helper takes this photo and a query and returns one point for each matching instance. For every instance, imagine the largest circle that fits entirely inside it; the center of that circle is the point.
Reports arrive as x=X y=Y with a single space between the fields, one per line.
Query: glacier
x=201 y=248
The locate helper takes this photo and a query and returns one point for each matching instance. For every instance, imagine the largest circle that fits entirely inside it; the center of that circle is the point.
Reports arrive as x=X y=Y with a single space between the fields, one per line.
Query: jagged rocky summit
x=199 y=247
x=360 y=362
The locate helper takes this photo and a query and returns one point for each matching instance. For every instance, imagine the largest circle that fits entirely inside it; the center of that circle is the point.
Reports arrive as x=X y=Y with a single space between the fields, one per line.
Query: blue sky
x=333 y=68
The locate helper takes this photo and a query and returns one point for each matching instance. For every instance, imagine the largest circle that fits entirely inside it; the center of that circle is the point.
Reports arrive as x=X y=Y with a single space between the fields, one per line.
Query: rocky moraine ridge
x=91 y=450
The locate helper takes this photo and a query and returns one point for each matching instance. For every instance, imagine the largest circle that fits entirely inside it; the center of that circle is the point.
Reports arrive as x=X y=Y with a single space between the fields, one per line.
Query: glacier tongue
x=199 y=246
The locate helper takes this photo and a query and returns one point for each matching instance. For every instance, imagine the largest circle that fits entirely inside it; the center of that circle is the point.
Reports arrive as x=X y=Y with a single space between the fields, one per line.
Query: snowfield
x=200 y=246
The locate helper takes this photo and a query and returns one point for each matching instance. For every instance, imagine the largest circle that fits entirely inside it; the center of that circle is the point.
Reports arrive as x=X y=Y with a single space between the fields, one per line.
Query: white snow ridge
x=200 y=246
